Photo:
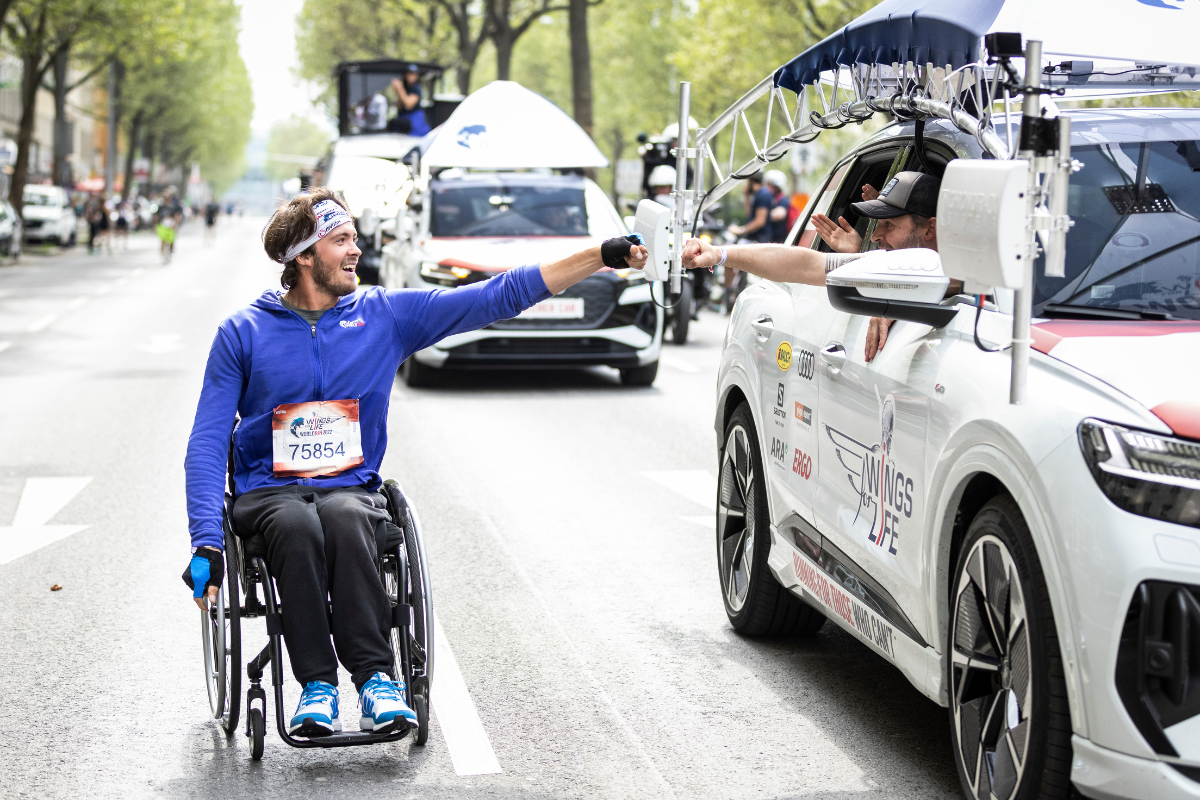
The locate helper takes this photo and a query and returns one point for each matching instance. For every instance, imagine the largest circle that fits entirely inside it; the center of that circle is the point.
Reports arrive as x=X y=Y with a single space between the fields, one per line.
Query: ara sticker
x=783 y=356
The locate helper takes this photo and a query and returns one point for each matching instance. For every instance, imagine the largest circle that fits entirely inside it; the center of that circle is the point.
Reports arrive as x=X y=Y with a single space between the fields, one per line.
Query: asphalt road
x=569 y=527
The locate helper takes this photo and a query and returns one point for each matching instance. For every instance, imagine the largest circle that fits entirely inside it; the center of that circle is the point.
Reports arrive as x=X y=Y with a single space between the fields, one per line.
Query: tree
x=507 y=21
x=297 y=137
x=40 y=32
x=581 y=64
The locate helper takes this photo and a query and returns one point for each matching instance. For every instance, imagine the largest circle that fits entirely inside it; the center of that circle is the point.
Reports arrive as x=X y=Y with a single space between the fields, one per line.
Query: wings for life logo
x=874 y=476
x=303 y=427
x=352 y=323
x=469 y=133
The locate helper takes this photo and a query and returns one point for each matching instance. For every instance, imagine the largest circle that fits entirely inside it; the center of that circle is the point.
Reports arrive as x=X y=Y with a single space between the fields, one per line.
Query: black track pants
x=321 y=542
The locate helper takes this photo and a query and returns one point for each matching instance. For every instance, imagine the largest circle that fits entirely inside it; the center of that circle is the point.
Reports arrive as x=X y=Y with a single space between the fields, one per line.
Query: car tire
x=681 y=314
x=640 y=376
x=1010 y=720
x=72 y=239
x=417 y=375
x=756 y=604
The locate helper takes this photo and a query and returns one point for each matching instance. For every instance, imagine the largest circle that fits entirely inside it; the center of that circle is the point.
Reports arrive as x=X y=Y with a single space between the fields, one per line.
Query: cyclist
x=315 y=363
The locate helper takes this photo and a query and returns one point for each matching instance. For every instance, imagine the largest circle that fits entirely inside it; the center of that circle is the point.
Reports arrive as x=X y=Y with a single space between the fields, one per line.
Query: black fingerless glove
x=206 y=569
x=613 y=252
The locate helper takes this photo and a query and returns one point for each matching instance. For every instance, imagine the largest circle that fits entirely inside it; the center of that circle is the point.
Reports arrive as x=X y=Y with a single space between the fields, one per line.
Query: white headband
x=329 y=215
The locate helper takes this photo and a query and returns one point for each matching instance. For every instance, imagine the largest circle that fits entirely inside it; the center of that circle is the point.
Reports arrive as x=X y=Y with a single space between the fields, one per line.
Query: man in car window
x=906 y=211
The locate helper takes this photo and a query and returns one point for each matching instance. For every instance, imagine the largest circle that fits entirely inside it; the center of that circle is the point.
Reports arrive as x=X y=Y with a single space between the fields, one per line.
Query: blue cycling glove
x=613 y=252
x=207 y=568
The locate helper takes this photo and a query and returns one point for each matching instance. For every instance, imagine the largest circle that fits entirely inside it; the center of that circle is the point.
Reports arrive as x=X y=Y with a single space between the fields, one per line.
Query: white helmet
x=776 y=177
x=662 y=175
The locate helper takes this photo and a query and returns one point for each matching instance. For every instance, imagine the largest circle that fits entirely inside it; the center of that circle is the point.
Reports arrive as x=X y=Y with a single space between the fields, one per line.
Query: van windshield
x=40 y=199
x=1134 y=251
x=492 y=209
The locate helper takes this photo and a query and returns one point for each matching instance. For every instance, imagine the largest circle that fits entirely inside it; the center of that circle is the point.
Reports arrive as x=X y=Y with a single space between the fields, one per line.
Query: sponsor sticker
x=317 y=438
x=803 y=414
x=885 y=494
x=779 y=412
x=783 y=356
x=861 y=619
x=806 y=364
x=779 y=451
x=801 y=464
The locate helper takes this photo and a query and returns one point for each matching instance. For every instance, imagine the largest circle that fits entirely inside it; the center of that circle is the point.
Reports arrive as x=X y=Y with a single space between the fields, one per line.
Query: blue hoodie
x=266 y=355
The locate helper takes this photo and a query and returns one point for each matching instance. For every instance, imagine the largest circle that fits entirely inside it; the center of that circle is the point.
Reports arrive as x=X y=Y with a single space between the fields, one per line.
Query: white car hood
x=1155 y=363
x=501 y=253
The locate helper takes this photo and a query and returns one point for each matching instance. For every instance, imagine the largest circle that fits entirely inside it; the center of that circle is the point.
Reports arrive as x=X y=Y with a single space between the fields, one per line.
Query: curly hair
x=291 y=223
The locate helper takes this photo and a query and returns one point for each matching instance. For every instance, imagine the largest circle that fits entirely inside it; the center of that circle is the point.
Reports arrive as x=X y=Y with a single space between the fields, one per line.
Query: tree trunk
x=504 y=41
x=581 y=65
x=30 y=78
x=617 y=137
x=62 y=147
x=135 y=131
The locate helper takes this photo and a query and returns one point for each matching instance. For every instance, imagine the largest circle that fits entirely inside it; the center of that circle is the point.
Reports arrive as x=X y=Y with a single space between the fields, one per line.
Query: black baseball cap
x=906 y=193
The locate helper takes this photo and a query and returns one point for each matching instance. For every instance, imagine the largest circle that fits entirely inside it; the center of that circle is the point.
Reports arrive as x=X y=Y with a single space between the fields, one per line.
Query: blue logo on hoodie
x=1162 y=4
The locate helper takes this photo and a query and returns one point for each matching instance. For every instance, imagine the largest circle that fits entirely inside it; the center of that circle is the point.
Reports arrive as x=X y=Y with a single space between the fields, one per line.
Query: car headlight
x=1144 y=473
x=443 y=275
x=631 y=276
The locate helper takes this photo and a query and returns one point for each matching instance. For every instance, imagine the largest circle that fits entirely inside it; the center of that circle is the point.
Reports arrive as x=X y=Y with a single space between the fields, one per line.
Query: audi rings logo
x=806 y=364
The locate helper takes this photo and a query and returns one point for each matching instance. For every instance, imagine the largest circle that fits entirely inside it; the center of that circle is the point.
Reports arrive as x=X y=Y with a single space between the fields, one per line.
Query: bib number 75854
x=317 y=438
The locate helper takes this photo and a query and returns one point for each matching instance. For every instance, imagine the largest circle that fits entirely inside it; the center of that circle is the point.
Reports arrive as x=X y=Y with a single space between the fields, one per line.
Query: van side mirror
x=894 y=284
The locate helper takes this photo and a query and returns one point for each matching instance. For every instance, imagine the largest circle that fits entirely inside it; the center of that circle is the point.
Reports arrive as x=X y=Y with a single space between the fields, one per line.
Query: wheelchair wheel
x=258 y=733
x=221 y=634
x=421 y=706
x=421 y=645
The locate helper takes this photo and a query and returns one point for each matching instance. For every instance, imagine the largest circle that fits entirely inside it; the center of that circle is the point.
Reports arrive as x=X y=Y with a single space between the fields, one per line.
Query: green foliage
x=186 y=95
x=296 y=136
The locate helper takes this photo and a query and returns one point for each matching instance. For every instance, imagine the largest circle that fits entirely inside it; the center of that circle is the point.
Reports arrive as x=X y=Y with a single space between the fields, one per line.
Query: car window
x=808 y=237
x=869 y=168
x=494 y=209
x=40 y=199
x=1134 y=248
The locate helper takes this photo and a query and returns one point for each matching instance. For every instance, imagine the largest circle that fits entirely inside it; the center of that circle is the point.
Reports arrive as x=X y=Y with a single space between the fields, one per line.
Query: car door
x=871 y=443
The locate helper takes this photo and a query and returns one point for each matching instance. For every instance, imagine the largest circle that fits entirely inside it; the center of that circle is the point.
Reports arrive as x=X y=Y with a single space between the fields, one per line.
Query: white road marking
x=694 y=484
x=682 y=366
x=4 y=346
x=162 y=343
x=41 y=499
x=38 y=324
x=104 y=289
x=705 y=521
x=549 y=613
x=466 y=740
x=77 y=302
x=137 y=273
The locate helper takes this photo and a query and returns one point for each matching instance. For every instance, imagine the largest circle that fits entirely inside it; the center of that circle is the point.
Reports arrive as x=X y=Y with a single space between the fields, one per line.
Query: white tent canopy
x=506 y=126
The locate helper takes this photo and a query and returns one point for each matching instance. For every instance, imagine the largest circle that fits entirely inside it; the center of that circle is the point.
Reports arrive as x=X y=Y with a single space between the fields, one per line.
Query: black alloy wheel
x=1009 y=714
x=754 y=601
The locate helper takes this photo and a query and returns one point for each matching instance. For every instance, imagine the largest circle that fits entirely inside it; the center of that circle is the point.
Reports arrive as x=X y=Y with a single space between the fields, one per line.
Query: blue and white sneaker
x=383 y=706
x=317 y=714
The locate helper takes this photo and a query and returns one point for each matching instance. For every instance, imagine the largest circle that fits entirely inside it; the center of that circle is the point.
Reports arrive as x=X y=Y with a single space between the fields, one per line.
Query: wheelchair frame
x=404 y=572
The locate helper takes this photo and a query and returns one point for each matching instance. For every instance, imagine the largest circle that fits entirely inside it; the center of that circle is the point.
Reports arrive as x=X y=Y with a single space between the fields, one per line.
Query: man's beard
x=325 y=276
x=912 y=241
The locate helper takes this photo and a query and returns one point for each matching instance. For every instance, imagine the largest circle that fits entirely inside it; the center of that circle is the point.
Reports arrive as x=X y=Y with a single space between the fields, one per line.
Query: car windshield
x=40 y=199
x=1134 y=251
x=492 y=209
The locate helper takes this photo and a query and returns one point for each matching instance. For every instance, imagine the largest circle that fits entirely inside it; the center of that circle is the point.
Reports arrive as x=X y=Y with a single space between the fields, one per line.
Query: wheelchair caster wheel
x=421 y=706
x=257 y=732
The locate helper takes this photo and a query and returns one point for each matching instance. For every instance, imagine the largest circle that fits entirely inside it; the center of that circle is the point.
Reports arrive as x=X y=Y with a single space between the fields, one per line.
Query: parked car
x=11 y=230
x=1036 y=567
x=48 y=215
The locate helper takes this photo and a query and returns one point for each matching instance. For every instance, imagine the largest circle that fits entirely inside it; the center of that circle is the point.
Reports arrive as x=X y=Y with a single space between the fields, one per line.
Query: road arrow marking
x=41 y=499
x=162 y=343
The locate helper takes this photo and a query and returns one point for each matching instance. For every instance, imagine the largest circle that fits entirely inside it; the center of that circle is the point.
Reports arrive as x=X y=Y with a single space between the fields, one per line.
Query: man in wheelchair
x=307 y=374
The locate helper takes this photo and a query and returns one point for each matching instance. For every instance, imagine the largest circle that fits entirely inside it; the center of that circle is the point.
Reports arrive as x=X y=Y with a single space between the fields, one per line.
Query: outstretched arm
x=775 y=262
x=560 y=275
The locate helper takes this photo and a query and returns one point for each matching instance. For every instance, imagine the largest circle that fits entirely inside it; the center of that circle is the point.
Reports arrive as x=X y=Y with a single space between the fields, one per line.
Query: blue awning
x=939 y=32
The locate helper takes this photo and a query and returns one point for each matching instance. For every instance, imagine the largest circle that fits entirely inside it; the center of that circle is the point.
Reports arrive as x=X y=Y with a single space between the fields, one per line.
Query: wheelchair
x=249 y=591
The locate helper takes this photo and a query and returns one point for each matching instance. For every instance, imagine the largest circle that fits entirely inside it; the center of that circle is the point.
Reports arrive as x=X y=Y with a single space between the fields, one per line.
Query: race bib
x=318 y=438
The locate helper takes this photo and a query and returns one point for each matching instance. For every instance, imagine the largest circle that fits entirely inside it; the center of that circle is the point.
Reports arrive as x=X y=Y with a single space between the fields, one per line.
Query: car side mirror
x=894 y=284
x=653 y=222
